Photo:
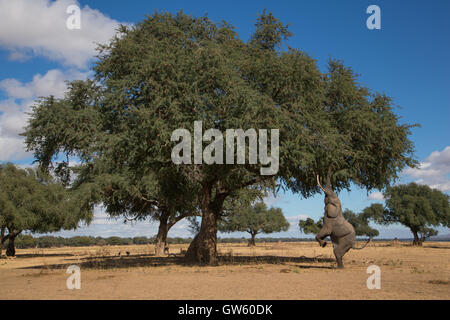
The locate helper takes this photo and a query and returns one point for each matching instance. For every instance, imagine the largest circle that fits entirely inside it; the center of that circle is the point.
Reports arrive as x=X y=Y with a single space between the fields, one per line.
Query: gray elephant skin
x=341 y=232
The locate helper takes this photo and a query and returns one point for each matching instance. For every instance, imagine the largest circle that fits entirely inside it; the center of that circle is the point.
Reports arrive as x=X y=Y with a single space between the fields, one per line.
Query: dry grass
x=301 y=270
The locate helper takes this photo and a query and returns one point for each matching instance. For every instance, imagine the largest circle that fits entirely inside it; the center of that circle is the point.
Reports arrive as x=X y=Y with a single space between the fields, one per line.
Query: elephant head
x=332 y=203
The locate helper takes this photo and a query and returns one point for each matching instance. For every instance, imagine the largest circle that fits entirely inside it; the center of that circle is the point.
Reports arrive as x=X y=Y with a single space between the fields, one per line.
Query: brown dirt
x=291 y=271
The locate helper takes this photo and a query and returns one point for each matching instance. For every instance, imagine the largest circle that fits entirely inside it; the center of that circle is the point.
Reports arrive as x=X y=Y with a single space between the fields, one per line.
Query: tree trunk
x=161 y=237
x=2 y=240
x=252 y=243
x=416 y=241
x=203 y=249
x=11 y=249
x=421 y=240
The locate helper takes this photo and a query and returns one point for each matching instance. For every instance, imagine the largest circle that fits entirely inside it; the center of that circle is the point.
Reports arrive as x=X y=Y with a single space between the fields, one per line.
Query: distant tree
x=25 y=241
x=114 y=241
x=255 y=219
x=417 y=207
x=49 y=241
x=82 y=241
x=33 y=200
x=101 y=242
x=141 y=240
x=309 y=226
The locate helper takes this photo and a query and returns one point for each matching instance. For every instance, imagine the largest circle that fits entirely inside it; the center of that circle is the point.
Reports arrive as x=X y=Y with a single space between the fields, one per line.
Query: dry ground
x=299 y=270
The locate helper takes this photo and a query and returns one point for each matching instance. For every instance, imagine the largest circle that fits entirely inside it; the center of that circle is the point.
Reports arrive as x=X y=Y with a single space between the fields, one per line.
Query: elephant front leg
x=323 y=233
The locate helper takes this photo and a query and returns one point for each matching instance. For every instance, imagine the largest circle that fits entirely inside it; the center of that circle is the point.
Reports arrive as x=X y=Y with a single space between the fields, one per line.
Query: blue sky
x=407 y=59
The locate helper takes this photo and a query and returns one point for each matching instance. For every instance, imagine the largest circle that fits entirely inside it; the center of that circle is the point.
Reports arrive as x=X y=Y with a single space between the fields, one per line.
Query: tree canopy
x=417 y=207
x=361 y=223
x=34 y=201
x=171 y=70
x=309 y=226
x=254 y=219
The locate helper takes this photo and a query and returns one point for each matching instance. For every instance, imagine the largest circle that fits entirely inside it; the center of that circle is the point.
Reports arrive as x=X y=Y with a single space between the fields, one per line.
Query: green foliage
x=170 y=70
x=361 y=223
x=254 y=219
x=270 y=31
x=141 y=240
x=418 y=207
x=309 y=226
x=116 y=241
x=25 y=241
x=33 y=200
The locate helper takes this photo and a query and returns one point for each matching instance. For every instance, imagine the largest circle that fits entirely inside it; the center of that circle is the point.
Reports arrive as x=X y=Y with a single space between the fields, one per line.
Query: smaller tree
x=417 y=207
x=361 y=223
x=309 y=226
x=33 y=200
x=254 y=219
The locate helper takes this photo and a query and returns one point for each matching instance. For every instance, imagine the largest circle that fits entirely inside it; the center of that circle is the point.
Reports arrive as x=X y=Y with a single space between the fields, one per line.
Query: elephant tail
x=365 y=244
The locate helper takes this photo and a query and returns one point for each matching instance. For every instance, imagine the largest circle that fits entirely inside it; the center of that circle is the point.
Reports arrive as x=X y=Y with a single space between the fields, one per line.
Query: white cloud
x=376 y=196
x=20 y=98
x=19 y=56
x=52 y=83
x=293 y=223
x=272 y=200
x=433 y=171
x=12 y=148
x=38 y=27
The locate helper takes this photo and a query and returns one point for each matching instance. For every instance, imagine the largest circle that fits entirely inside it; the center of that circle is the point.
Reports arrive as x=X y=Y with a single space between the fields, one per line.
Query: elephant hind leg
x=341 y=248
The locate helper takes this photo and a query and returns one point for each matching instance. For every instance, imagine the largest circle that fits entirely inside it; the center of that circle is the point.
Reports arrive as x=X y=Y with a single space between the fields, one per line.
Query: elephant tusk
x=318 y=182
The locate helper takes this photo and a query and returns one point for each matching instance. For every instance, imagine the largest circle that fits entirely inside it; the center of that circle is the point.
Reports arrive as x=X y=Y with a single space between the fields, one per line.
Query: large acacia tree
x=34 y=201
x=417 y=207
x=169 y=71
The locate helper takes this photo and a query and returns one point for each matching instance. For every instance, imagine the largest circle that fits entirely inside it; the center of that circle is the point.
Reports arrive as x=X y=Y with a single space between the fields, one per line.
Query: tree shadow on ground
x=436 y=247
x=43 y=255
x=150 y=260
x=272 y=259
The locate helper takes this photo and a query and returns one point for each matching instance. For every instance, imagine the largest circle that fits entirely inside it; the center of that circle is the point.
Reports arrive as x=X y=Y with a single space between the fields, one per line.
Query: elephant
x=341 y=232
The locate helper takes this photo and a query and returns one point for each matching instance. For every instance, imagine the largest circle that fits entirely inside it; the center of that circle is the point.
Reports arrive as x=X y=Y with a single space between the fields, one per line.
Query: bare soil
x=292 y=271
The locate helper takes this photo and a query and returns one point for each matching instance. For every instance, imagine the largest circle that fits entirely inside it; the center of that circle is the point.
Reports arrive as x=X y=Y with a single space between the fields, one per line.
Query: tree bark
x=203 y=249
x=416 y=241
x=11 y=249
x=2 y=239
x=166 y=221
x=252 y=242
x=161 y=237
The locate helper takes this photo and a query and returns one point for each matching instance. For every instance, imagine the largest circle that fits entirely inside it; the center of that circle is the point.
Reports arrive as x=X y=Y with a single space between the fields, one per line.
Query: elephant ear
x=332 y=211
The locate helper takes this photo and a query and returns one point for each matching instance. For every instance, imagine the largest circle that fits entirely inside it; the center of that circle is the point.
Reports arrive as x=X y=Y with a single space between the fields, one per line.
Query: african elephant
x=341 y=232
